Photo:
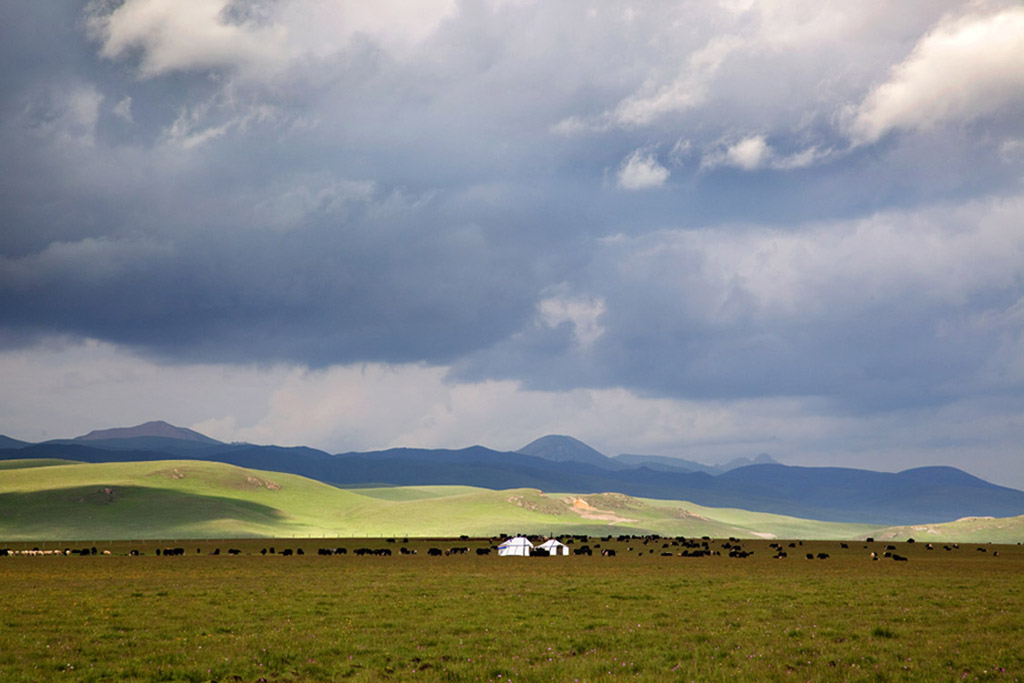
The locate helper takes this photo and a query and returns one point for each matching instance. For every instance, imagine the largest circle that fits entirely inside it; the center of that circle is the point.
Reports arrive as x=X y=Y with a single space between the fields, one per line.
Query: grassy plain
x=942 y=615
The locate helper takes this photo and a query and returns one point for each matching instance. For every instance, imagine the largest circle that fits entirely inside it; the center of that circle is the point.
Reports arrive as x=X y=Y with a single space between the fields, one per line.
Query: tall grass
x=641 y=616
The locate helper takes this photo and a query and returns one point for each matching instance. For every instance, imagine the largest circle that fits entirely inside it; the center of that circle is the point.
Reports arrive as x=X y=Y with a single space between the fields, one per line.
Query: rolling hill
x=190 y=499
x=557 y=463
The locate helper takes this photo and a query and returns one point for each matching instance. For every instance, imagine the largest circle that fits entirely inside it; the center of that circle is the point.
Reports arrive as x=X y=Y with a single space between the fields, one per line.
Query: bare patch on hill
x=611 y=501
x=259 y=483
x=582 y=507
x=683 y=513
x=537 y=502
x=764 y=534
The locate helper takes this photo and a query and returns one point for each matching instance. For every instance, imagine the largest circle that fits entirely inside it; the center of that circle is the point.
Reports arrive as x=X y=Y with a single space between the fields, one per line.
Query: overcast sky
x=694 y=229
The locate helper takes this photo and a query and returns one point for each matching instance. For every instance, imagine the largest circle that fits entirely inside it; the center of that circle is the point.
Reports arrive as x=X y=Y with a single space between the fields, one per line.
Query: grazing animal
x=810 y=556
x=822 y=556
x=608 y=552
x=435 y=552
x=898 y=558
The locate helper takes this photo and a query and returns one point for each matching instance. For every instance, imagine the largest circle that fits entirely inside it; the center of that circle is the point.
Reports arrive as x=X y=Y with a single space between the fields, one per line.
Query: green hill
x=194 y=499
x=968 y=530
x=34 y=462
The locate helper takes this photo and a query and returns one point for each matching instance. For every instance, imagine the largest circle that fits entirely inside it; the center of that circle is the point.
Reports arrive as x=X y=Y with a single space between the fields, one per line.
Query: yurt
x=554 y=547
x=520 y=545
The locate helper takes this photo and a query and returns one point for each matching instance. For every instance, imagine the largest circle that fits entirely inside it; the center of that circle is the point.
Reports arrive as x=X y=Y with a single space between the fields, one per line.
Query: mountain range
x=561 y=463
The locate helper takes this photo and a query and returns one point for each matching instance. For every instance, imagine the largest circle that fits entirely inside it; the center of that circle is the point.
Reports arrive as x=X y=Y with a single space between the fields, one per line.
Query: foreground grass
x=940 y=616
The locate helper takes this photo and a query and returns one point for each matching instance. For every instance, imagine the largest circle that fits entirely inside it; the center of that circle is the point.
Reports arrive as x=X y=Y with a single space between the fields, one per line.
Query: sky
x=697 y=229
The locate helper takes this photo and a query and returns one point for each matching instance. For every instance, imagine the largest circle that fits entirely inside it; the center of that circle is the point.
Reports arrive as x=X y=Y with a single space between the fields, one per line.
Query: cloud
x=898 y=308
x=748 y=154
x=260 y=40
x=688 y=90
x=123 y=109
x=965 y=68
x=171 y=36
x=641 y=171
x=90 y=385
x=65 y=114
x=509 y=204
x=582 y=314
x=753 y=152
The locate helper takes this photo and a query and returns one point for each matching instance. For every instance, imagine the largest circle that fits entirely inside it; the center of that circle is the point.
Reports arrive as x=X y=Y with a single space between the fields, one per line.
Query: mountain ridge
x=921 y=495
x=154 y=428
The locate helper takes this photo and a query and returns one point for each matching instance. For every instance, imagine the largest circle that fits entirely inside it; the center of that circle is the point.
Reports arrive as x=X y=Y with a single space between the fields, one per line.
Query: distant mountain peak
x=157 y=428
x=759 y=459
x=560 y=448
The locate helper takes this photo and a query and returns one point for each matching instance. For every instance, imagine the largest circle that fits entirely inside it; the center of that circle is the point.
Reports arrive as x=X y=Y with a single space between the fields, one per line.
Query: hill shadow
x=99 y=512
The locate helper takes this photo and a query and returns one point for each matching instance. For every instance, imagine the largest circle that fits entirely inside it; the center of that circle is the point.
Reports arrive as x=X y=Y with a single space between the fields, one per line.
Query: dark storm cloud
x=462 y=194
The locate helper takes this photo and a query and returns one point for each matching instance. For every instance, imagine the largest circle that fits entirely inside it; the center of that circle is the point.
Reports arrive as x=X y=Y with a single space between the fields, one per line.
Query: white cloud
x=583 y=313
x=965 y=68
x=123 y=109
x=259 y=41
x=175 y=36
x=688 y=90
x=941 y=256
x=753 y=152
x=749 y=153
x=192 y=129
x=641 y=171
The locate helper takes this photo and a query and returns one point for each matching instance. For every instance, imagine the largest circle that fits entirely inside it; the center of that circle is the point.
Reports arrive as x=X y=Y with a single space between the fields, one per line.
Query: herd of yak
x=678 y=546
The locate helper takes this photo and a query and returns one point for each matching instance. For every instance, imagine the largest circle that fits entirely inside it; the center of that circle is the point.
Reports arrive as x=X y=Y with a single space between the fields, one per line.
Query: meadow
x=50 y=500
x=941 y=615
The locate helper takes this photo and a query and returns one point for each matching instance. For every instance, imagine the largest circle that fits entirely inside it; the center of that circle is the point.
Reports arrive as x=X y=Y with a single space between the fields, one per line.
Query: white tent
x=554 y=547
x=520 y=545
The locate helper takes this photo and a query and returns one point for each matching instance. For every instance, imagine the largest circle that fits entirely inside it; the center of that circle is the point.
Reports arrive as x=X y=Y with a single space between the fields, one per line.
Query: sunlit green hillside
x=968 y=529
x=192 y=499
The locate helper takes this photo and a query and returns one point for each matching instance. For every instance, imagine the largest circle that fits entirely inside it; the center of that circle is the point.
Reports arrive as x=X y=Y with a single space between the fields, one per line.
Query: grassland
x=942 y=615
x=976 y=529
x=192 y=499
